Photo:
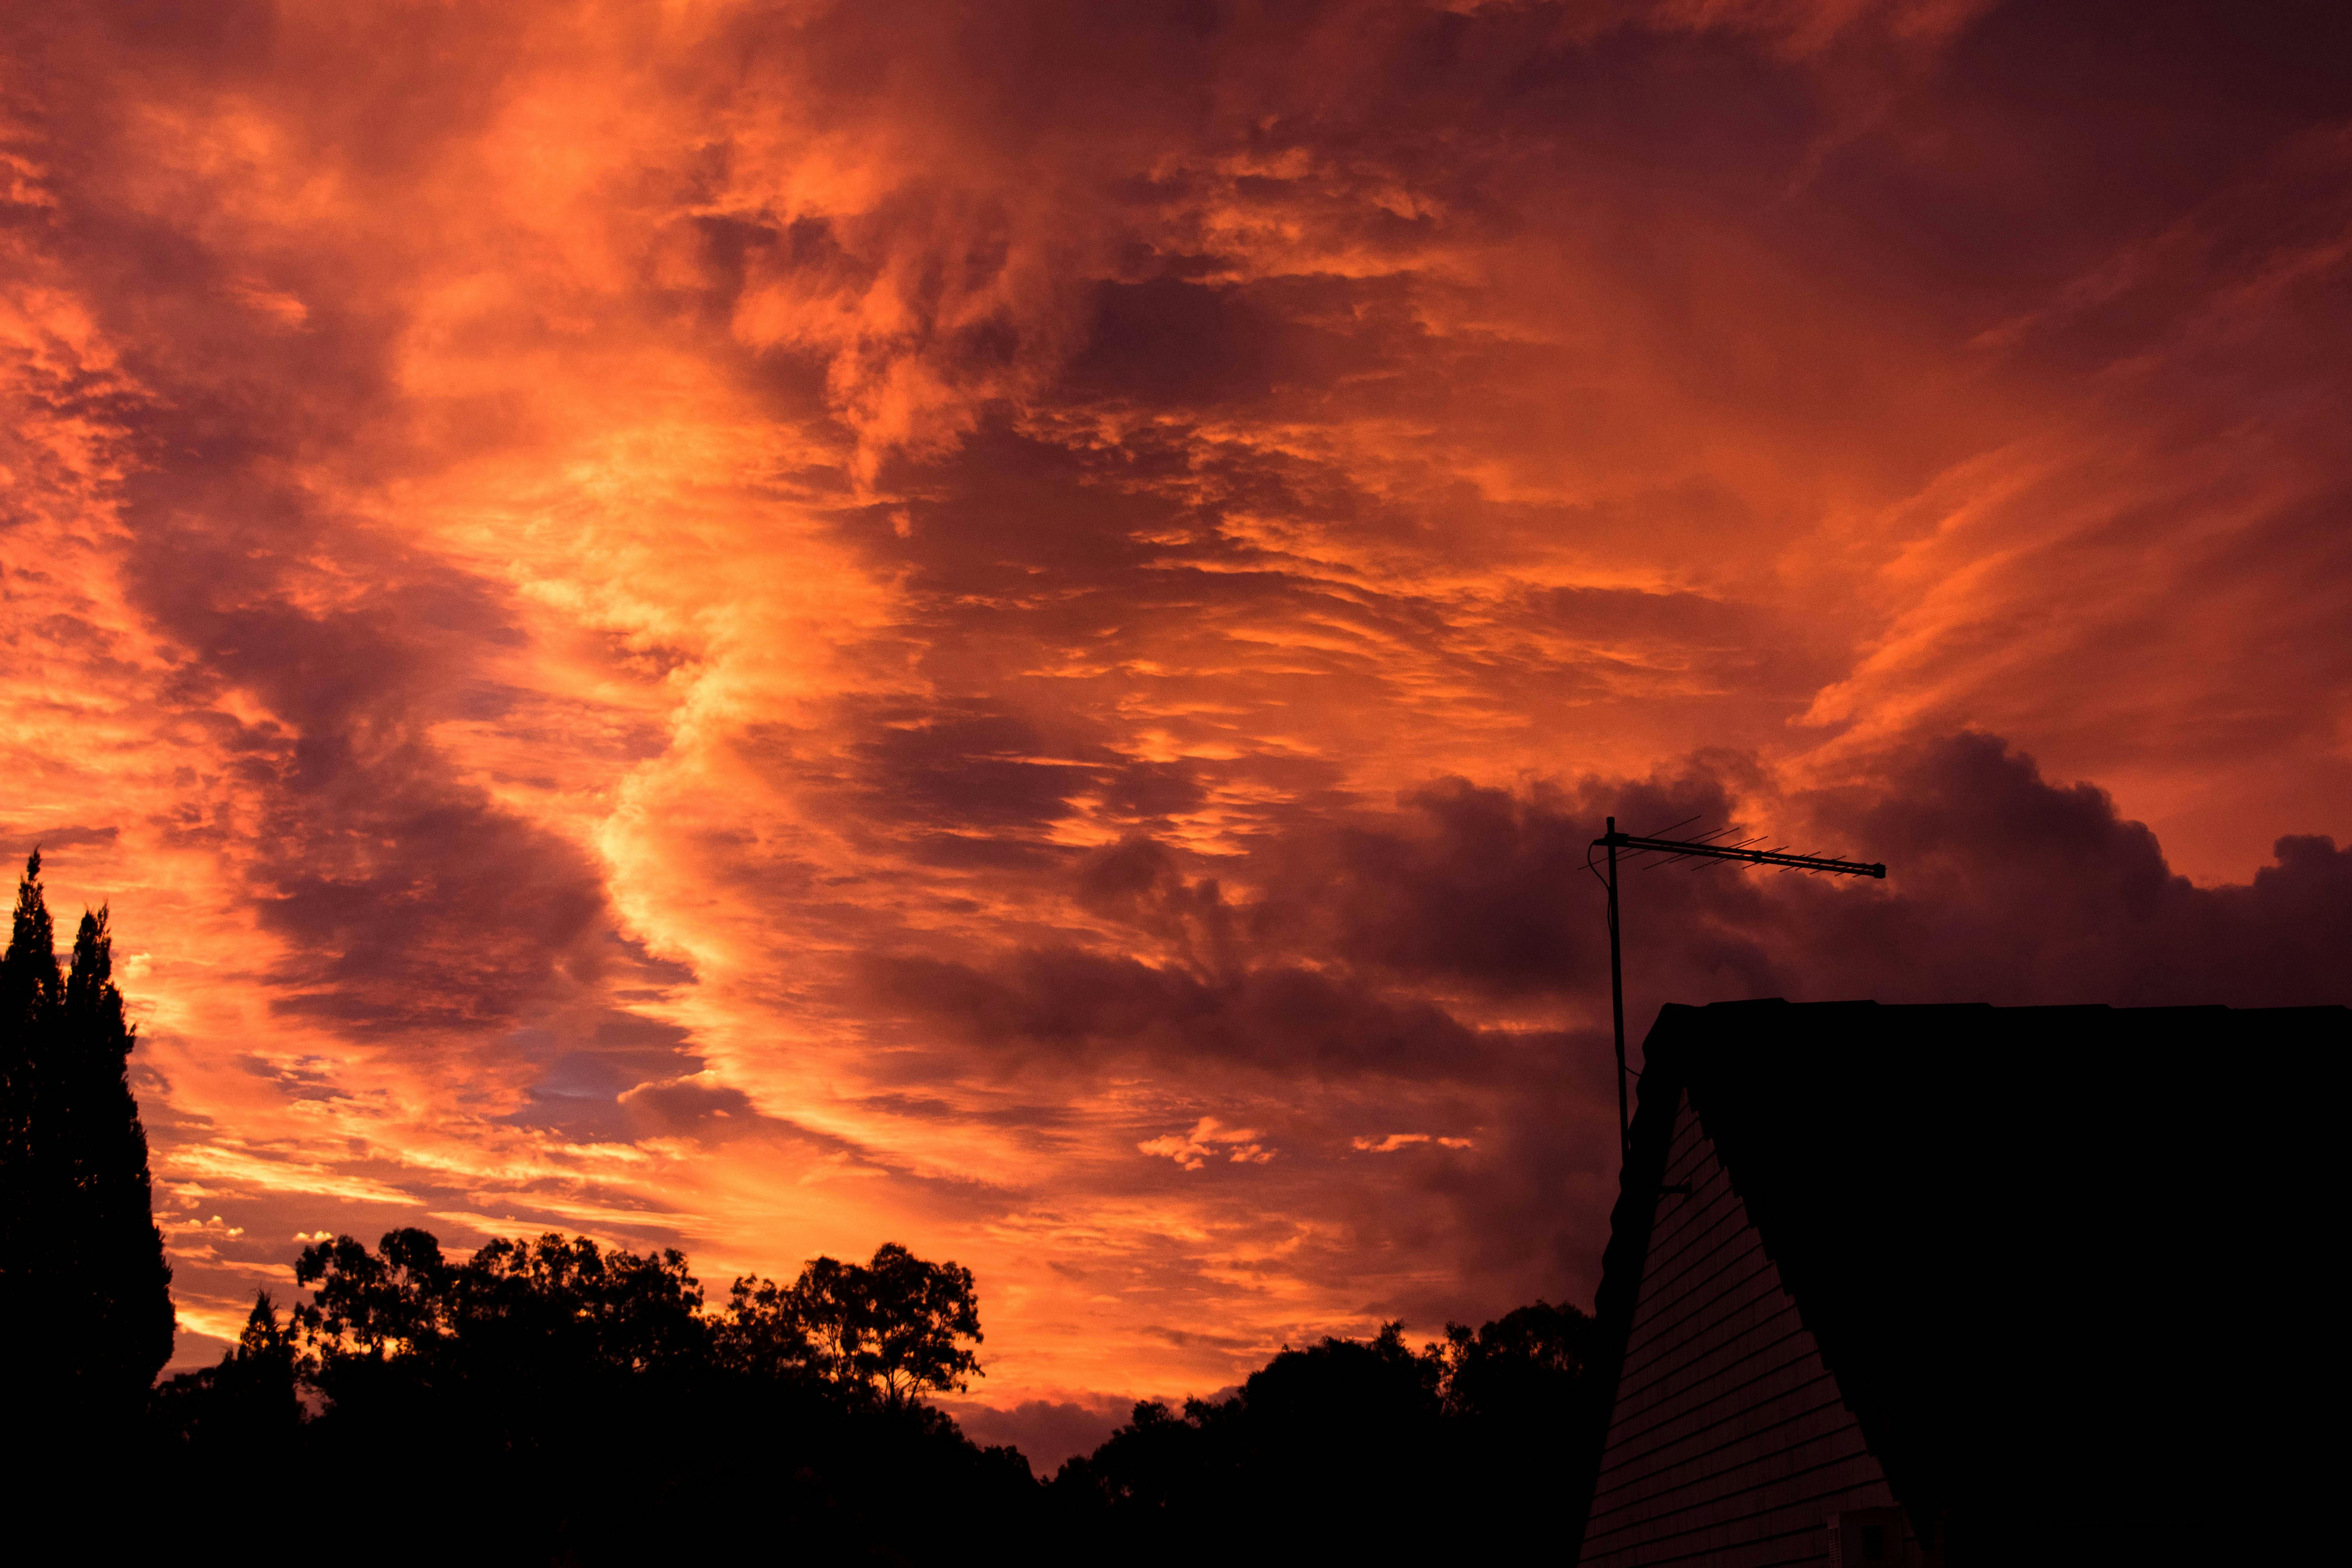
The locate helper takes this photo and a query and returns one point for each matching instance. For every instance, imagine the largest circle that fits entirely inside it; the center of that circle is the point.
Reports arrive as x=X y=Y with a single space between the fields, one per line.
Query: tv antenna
x=1706 y=847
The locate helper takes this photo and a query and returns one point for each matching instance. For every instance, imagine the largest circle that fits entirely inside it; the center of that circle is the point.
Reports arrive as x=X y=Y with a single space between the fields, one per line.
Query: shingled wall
x=1730 y=1443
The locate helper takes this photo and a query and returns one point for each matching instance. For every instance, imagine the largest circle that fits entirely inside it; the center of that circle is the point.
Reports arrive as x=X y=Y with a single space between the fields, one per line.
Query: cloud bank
x=770 y=627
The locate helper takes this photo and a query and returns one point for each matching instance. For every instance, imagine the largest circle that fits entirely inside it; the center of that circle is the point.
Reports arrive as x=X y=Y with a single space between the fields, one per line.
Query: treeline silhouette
x=593 y=1395
x=553 y=1400
x=1479 y=1446
x=591 y=1390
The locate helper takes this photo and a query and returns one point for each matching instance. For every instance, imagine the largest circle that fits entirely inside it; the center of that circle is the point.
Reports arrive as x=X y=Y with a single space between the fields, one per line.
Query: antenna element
x=1674 y=849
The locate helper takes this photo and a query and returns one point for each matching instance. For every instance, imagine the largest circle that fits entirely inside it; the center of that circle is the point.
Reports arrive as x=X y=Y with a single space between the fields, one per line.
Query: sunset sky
x=770 y=627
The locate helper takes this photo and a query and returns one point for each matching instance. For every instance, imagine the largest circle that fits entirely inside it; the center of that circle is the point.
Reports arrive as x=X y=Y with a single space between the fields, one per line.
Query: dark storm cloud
x=972 y=768
x=586 y=1071
x=1154 y=790
x=2005 y=887
x=1057 y=1008
x=48 y=838
x=1480 y=887
x=408 y=898
x=677 y=1107
x=1310 y=956
x=1167 y=343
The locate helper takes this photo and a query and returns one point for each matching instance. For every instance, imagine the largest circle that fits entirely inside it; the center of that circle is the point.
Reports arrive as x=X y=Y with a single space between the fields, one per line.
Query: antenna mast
x=1671 y=849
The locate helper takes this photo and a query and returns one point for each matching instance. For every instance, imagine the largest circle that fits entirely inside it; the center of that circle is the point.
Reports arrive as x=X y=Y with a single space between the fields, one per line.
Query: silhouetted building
x=1898 y=1285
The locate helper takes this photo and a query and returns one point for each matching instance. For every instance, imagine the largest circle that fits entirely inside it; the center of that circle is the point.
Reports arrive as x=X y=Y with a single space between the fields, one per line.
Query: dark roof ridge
x=1921 y=1174
x=2137 y=1010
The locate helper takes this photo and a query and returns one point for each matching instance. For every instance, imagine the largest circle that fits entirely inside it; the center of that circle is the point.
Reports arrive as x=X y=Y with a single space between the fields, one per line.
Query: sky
x=774 y=627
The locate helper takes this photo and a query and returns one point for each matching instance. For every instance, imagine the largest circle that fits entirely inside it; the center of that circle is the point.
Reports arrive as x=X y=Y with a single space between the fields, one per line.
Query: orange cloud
x=766 y=628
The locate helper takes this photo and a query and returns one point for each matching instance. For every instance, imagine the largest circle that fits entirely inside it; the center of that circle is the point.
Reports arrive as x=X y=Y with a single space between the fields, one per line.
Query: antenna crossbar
x=1704 y=849
x=1677 y=849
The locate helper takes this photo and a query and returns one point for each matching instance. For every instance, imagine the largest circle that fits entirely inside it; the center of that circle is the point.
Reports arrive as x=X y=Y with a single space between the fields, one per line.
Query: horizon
x=1003 y=628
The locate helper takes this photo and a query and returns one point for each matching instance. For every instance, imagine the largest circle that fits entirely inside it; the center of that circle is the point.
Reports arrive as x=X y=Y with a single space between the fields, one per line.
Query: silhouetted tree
x=395 y=1301
x=1334 y=1451
x=1353 y=1450
x=1527 y=1405
x=614 y=1311
x=893 y=1325
x=248 y=1401
x=1524 y=1370
x=124 y=1309
x=544 y=1320
x=31 y=990
x=82 y=1274
x=765 y=1334
x=556 y=1371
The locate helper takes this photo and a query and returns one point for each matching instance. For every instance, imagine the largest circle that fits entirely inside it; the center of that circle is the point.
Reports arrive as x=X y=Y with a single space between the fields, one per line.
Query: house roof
x=2028 y=1241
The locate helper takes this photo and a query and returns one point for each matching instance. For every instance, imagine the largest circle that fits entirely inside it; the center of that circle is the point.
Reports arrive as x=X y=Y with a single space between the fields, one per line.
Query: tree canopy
x=887 y=1330
x=894 y=1325
x=558 y=1369
x=789 y=1416
x=1367 y=1450
x=85 y=1294
x=559 y=1302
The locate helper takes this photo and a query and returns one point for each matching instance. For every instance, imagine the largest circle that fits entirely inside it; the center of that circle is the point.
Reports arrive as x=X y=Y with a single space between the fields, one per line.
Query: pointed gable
x=1729 y=1442
x=2043 y=1278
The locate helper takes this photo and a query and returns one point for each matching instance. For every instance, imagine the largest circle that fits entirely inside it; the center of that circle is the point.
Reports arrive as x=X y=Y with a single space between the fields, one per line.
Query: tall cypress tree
x=31 y=991
x=84 y=1290
x=126 y=1310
